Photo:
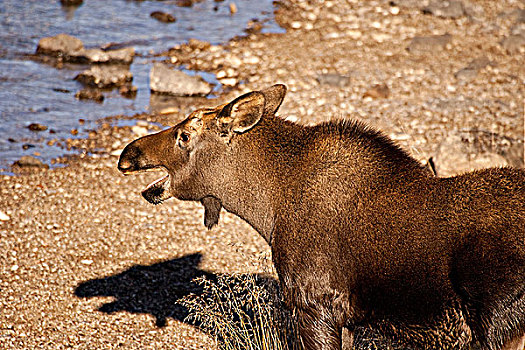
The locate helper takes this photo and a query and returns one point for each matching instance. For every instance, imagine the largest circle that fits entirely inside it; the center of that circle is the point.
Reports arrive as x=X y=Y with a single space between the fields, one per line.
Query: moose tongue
x=158 y=191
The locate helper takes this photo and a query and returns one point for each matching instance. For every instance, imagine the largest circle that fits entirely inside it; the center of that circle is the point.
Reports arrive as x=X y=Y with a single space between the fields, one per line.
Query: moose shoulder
x=362 y=235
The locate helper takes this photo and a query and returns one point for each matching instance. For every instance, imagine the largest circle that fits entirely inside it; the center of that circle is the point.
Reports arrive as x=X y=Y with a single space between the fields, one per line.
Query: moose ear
x=243 y=113
x=273 y=96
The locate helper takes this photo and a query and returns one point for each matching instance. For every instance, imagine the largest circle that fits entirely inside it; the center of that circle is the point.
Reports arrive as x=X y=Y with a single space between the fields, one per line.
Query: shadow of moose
x=150 y=289
x=154 y=289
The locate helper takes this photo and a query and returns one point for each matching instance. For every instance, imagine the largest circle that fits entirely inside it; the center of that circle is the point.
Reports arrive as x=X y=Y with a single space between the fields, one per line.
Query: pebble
x=378 y=91
x=36 y=127
x=228 y=81
x=354 y=34
x=86 y=261
x=233 y=8
x=163 y=17
x=139 y=130
x=4 y=216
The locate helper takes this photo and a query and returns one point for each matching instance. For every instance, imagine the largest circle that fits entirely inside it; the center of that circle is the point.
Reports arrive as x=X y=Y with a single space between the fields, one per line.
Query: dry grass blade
x=241 y=312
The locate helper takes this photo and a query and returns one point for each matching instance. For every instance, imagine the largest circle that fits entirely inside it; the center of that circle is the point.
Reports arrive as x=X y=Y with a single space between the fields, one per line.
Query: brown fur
x=362 y=235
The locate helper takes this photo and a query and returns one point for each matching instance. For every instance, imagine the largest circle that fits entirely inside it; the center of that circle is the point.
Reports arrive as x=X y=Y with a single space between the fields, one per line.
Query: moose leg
x=318 y=330
x=347 y=339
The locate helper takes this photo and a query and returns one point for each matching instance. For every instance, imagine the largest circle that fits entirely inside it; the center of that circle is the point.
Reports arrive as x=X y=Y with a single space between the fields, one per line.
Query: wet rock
x=119 y=56
x=514 y=43
x=30 y=162
x=445 y=9
x=105 y=76
x=36 y=127
x=471 y=71
x=196 y=44
x=334 y=79
x=165 y=80
x=163 y=17
x=128 y=91
x=71 y=2
x=254 y=27
x=61 y=45
x=421 y=44
x=378 y=91
x=186 y=3
x=90 y=94
x=71 y=49
x=233 y=8
x=64 y=91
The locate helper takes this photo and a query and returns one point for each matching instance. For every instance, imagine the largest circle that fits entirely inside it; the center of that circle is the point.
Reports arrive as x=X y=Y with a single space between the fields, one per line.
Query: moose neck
x=254 y=174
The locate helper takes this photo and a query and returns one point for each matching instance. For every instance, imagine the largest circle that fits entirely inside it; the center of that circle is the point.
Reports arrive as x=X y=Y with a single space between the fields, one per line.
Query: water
x=33 y=92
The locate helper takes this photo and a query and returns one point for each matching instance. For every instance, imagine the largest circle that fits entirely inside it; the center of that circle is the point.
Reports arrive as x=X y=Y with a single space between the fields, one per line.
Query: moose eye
x=184 y=137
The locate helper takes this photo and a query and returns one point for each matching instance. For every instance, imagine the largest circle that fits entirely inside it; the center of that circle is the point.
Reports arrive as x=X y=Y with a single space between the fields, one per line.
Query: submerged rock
x=165 y=80
x=71 y=2
x=105 y=76
x=36 y=127
x=90 y=94
x=128 y=91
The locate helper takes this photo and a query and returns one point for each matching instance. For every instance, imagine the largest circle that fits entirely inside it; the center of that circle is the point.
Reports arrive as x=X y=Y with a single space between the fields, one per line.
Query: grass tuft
x=241 y=312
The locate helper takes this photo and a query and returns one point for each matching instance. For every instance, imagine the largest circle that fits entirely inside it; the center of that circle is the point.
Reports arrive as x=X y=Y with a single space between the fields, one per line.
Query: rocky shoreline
x=446 y=83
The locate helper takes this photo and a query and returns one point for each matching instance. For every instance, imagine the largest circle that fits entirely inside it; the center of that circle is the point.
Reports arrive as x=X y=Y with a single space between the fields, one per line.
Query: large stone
x=445 y=9
x=334 y=79
x=165 y=80
x=30 y=162
x=60 y=45
x=471 y=71
x=105 y=76
x=514 y=43
x=71 y=49
x=462 y=152
x=421 y=44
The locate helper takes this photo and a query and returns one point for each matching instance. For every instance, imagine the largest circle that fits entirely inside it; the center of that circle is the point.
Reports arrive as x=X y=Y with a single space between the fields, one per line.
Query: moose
x=363 y=236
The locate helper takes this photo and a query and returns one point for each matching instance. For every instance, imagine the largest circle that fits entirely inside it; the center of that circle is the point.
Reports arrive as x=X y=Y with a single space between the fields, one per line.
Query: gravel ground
x=86 y=263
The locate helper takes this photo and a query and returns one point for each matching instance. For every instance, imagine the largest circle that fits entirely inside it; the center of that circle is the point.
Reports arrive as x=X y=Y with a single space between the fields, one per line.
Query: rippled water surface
x=32 y=92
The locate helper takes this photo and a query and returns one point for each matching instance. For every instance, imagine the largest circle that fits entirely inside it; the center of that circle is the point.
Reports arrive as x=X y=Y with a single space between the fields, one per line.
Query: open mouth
x=157 y=191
